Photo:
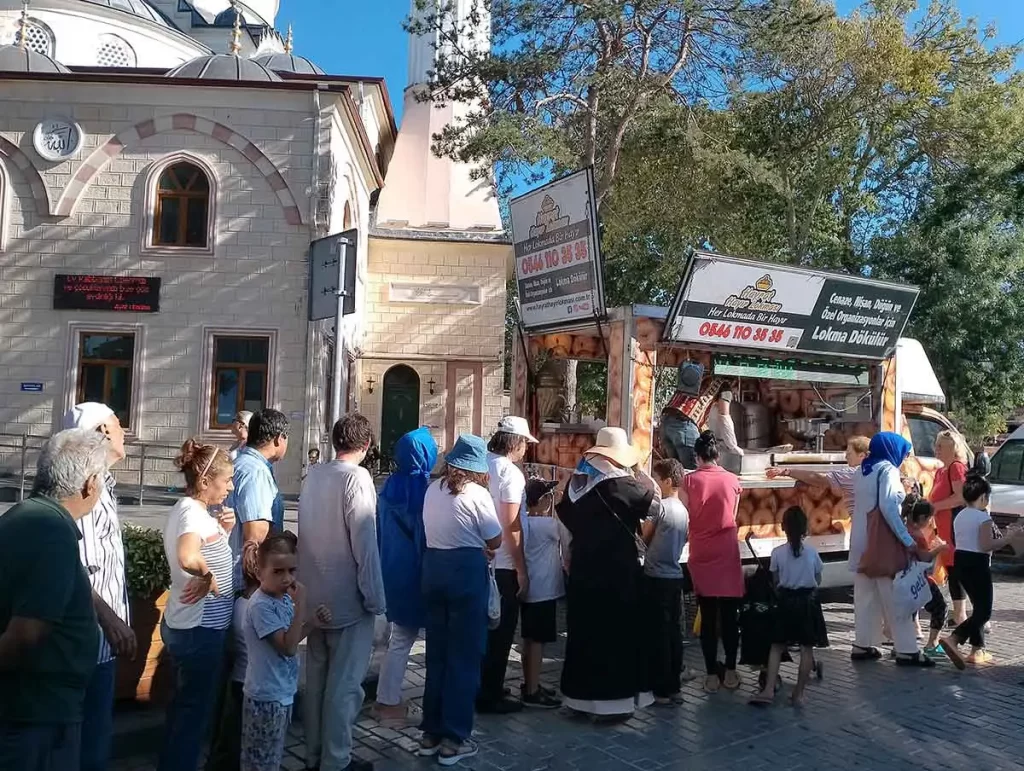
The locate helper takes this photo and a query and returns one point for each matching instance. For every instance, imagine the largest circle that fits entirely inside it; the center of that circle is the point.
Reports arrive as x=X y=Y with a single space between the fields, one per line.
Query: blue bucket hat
x=468 y=454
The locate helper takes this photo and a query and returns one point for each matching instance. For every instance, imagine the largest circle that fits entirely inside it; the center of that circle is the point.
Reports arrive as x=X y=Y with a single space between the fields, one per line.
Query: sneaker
x=935 y=652
x=504 y=706
x=429 y=746
x=687 y=675
x=916 y=660
x=452 y=753
x=541 y=700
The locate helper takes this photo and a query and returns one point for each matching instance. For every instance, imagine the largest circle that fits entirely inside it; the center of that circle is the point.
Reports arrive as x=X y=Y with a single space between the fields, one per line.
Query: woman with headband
x=198 y=613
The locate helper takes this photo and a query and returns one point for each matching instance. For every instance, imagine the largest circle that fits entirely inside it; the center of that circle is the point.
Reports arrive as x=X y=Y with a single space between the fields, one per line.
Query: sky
x=355 y=37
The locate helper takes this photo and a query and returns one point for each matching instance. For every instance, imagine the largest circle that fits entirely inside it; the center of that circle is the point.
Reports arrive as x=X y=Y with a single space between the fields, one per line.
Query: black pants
x=665 y=615
x=956 y=589
x=226 y=745
x=936 y=608
x=499 y=641
x=719 y=616
x=975 y=573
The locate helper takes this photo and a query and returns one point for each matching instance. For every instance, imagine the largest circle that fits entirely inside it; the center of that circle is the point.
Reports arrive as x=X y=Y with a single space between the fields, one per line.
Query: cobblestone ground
x=868 y=716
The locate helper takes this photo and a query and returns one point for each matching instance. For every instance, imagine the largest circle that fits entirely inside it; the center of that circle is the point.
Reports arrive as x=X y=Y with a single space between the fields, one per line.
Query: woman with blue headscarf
x=878 y=488
x=402 y=542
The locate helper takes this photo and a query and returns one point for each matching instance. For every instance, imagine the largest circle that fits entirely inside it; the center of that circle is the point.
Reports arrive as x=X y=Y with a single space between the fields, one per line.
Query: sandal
x=712 y=683
x=980 y=658
x=761 y=700
x=733 y=683
x=865 y=654
x=917 y=660
x=952 y=651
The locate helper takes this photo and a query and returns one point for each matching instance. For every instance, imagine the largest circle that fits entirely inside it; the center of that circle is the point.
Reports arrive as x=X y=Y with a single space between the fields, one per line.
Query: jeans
x=336 y=663
x=976 y=576
x=197 y=656
x=665 y=615
x=499 y=641
x=226 y=746
x=455 y=589
x=678 y=435
x=392 y=668
x=719 y=613
x=40 y=746
x=98 y=717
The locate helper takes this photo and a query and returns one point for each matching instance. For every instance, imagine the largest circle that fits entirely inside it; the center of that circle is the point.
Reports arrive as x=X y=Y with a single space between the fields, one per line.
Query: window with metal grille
x=38 y=38
x=114 y=52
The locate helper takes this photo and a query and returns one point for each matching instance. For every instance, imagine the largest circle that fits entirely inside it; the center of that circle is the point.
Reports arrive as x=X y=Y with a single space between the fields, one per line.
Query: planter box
x=149 y=678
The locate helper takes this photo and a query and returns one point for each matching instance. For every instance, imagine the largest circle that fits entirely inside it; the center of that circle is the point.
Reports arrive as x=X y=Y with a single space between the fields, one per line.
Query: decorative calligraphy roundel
x=57 y=139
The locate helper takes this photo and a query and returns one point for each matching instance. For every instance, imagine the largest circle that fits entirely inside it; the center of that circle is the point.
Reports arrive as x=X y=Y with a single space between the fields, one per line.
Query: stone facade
x=93 y=214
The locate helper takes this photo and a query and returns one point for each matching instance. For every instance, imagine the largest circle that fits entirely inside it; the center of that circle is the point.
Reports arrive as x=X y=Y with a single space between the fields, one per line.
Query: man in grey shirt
x=665 y=535
x=340 y=566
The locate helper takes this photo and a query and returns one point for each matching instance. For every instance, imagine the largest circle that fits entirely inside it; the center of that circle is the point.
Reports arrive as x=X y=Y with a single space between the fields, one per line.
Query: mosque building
x=165 y=166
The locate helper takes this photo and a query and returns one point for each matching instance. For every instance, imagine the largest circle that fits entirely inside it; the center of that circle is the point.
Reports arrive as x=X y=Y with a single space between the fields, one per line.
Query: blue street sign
x=32 y=387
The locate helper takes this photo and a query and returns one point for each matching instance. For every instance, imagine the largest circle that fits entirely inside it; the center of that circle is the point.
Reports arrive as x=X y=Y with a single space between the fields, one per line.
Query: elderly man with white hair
x=48 y=635
x=102 y=553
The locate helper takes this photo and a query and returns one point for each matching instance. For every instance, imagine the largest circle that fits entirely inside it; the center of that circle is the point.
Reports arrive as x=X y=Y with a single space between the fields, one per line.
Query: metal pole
x=24 y=453
x=339 y=354
x=142 y=473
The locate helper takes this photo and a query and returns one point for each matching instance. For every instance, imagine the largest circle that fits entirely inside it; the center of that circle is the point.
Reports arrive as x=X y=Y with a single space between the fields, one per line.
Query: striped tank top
x=217 y=608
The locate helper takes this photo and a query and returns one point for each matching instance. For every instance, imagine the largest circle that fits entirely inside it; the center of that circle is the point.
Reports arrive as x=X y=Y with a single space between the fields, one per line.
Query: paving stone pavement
x=868 y=716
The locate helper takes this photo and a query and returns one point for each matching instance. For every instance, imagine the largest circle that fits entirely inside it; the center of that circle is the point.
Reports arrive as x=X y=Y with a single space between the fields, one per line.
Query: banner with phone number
x=739 y=303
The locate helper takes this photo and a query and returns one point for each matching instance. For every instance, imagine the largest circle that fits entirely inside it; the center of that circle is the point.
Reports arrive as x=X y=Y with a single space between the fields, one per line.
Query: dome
x=299 y=65
x=223 y=67
x=17 y=59
x=138 y=8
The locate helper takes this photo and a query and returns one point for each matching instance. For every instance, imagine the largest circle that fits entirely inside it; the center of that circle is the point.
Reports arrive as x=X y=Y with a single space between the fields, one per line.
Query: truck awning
x=915 y=377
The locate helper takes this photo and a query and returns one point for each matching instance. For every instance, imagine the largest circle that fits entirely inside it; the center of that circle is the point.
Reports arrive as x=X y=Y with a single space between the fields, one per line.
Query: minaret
x=422 y=191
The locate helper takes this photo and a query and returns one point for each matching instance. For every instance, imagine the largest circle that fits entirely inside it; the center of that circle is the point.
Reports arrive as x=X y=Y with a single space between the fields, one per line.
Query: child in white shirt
x=543 y=551
x=797 y=570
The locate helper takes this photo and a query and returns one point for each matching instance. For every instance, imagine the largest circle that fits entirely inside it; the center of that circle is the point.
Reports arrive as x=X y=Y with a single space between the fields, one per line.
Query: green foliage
x=145 y=563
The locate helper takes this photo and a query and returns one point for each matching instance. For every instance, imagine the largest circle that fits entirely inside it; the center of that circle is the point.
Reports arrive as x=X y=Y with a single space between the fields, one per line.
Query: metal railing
x=19 y=452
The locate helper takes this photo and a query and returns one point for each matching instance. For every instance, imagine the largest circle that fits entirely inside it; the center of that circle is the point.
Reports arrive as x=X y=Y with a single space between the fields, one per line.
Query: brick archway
x=23 y=163
x=181 y=121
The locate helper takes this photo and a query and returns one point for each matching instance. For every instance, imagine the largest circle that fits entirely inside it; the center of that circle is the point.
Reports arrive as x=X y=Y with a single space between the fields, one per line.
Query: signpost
x=738 y=303
x=128 y=294
x=557 y=253
x=332 y=291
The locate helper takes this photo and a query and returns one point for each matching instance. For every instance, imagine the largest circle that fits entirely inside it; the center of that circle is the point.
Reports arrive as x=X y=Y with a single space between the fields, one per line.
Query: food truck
x=810 y=357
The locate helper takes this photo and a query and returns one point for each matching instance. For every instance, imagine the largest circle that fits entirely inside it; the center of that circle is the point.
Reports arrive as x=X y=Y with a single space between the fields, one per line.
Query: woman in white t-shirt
x=459 y=522
x=199 y=609
x=976 y=537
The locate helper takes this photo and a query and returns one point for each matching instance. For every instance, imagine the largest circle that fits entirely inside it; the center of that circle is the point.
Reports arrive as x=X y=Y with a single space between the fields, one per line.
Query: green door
x=400 y=409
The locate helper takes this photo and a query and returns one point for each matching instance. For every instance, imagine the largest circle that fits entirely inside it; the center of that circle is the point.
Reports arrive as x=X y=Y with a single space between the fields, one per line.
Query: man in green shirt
x=49 y=639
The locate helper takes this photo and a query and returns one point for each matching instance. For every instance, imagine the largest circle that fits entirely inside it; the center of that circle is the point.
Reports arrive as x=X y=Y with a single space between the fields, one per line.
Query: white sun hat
x=511 y=424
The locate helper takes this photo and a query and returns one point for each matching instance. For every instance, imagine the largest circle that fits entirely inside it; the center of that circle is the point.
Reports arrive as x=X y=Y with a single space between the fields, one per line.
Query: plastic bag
x=696 y=624
x=493 y=600
x=910 y=591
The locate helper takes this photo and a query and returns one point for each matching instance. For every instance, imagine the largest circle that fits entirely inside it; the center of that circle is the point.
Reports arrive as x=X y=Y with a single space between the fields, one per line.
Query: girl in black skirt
x=796 y=568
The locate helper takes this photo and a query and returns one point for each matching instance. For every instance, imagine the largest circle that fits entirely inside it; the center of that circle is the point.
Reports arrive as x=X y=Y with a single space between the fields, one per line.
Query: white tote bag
x=910 y=591
x=493 y=599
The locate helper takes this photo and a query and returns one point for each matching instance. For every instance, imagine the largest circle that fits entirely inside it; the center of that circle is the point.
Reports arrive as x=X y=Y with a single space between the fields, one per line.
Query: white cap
x=87 y=415
x=510 y=424
x=725 y=396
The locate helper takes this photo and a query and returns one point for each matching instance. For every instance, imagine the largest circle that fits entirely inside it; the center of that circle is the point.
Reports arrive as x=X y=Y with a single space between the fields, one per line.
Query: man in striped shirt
x=102 y=552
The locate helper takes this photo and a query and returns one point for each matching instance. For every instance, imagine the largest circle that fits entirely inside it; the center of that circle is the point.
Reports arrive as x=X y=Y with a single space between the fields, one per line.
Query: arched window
x=114 y=51
x=38 y=38
x=181 y=216
x=347 y=218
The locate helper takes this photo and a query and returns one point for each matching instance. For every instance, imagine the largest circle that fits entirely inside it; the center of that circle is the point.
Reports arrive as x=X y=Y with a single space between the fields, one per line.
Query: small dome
x=299 y=65
x=17 y=59
x=139 y=8
x=223 y=67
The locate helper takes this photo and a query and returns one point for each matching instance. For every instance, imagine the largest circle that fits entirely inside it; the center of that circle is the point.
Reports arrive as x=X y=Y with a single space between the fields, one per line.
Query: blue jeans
x=197 y=656
x=98 y=722
x=678 y=435
x=40 y=746
x=455 y=591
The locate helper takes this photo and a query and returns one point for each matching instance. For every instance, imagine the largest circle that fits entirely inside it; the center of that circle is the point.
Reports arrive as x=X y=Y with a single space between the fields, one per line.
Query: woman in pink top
x=712 y=498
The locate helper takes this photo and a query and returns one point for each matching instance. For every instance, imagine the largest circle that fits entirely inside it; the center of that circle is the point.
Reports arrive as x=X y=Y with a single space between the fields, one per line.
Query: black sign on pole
x=125 y=294
x=331 y=270
x=737 y=303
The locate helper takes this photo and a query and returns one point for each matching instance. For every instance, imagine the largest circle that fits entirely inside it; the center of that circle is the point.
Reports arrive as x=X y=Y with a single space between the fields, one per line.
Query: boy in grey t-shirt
x=666 y=536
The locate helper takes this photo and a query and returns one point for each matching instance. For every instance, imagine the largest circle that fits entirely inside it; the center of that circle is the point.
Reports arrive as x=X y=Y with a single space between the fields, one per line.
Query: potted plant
x=149 y=578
